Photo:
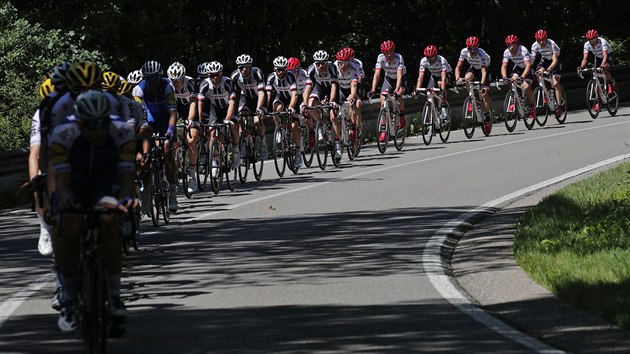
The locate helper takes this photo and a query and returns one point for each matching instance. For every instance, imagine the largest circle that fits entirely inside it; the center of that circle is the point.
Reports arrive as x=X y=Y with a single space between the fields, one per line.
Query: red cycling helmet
x=430 y=51
x=343 y=55
x=387 y=46
x=541 y=34
x=592 y=34
x=472 y=41
x=293 y=64
x=511 y=39
x=350 y=52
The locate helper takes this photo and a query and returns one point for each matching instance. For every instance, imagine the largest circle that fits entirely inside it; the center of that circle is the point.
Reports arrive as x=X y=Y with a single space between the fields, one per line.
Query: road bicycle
x=284 y=148
x=514 y=107
x=182 y=159
x=472 y=113
x=353 y=146
x=250 y=147
x=546 y=102
x=324 y=138
x=388 y=121
x=597 y=93
x=158 y=185
x=220 y=160
x=434 y=116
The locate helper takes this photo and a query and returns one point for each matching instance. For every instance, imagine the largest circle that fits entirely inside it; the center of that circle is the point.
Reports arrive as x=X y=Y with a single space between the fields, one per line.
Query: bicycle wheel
x=203 y=164
x=383 y=116
x=183 y=164
x=468 y=117
x=257 y=160
x=216 y=158
x=308 y=151
x=166 y=194
x=593 y=103
x=613 y=100
x=445 y=123
x=564 y=107
x=354 y=145
x=321 y=146
x=509 y=112
x=486 y=127
x=426 y=123
x=156 y=195
x=541 y=101
x=331 y=146
x=231 y=172
x=94 y=315
x=136 y=235
x=400 y=133
x=247 y=144
x=278 y=150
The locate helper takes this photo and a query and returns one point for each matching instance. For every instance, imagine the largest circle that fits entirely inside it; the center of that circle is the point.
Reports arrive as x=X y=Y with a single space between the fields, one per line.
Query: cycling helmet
x=592 y=34
x=320 y=55
x=511 y=39
x=430 y=51
x=350 y=52
x=92 y=105
x=293 y=63
x=280 y=62
x=152 y=70
x=176 y=71
x=541 y=34
x=244 y=59
x=134 y=77
x=111 y=81
x=472 y=41
x=125 y=87
x=58 y=76
x=387 y=46
x=83 y=76
x=203 y=70
x=46 y=88
x=214 y=67
x=343 y=55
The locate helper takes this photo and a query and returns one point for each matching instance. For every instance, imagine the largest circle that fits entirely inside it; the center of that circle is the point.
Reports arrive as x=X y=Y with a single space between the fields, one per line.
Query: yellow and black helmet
x=46 y=88
x=111 y=81
x=125 y=87
x=83 y=76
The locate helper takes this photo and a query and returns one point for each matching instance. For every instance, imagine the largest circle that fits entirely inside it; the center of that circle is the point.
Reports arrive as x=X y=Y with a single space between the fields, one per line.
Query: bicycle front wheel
x=278 y=150
x=183 y=165
x=445 y=123
x=468 y=117
x=401 y=133
x=94 y=313
x=308 y=149
x=593 y=103
x=563 y=107
x=542 y=106
x=382 y=127
x=257 y=160
x=216 y=159
x=509 y=111
x=203 y=163
x=231 y=172
x=613 y=100
x=246 y=144
x=426 y=124
x=156 y=195
x=321 y=146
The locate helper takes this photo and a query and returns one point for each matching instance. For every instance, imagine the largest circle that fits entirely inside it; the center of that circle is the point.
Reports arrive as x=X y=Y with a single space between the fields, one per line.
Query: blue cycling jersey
x=158 y=102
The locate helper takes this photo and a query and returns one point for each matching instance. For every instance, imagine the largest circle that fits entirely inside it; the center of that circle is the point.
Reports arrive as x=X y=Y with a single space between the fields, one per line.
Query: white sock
x=43 y=225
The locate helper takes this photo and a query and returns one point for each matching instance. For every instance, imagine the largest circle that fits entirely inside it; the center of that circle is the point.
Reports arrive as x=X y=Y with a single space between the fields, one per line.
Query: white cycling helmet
x=215 y=67
x=176 y=71
x=134 y=77
x=91 y=105
x=280 y=62
x=152 y=69
x=203 y=70
x=244 y=59
x=320 y=55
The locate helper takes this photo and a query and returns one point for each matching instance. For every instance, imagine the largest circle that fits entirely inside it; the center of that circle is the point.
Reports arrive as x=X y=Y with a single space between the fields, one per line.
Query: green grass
x=576 y=243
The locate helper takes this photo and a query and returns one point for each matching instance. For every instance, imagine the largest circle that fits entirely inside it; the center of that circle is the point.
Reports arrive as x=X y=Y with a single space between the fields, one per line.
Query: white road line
x=437 y=268
x=10 y=305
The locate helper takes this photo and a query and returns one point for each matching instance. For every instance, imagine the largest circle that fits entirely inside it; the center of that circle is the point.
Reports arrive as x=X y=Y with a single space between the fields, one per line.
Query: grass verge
x=576 y=243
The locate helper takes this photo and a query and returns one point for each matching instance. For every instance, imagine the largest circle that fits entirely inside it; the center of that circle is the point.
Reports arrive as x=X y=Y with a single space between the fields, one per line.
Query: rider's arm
x=443 y=85
x=458 y=70
x=377 y=76
x=261 y=99
x=484 y=75
x=420 y=79
x=504 y=69
x=231 y=109
x=528 y=68
x=353 y=91
x=294 y=99
x=333 y=92
x=554 y=62
x=604 y=58
x=399 y=76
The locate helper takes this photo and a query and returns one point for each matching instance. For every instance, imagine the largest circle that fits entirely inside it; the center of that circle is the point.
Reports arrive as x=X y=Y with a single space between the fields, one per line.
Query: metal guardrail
x=15 y=162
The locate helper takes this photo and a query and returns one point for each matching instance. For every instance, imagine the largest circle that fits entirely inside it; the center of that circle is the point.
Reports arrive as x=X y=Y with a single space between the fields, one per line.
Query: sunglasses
x=388 y=52
x=241 y=67
x=95 y=124
x=472 y=48
x=214 y=76
x=320 y=63
x=280 y=70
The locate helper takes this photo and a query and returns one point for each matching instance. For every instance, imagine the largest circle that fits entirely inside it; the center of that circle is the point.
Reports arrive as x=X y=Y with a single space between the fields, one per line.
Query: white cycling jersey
x=547 y=51
x=184 y=95
x=477 y=60
x=250 y=86
x=358 y=64
x=391 y=66
x=440 y=64
x=218 y=95
x=600 y=46
x=300 y=79
x=347 y=77
x=520 y=58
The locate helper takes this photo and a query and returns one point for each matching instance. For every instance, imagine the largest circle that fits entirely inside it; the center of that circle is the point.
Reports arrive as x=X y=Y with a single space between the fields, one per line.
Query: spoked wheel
x=156 y=196
x=256 y=159
x=166 y=194
x=426 y=125
x=468 y=117
x=593 y=103
x=445 y=123
x=333 y=150
x=94 y=317
x=613 y=100
x=247 y=144
x=542 y=106
x=380 y=128
x=321 y=146
x=231 y=172
x=278 y=150
x=135 y=237
x=401 y=133
x=354 y=145
x=308 y=151
x=486 y=126
x=564 y=108
x=183 y=166
x=509 y=111
x=215 y=160
x=290 y=159
x=203 y=164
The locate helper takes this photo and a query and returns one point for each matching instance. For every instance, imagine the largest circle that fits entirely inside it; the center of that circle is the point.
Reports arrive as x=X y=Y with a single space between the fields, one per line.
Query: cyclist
x=348 y=76
x=321 y=86
x=134 y=77
x=157 y=95
x=301 y=77
x=439 y=69
x=249 y=83
x=601 y=50
x=394 y=82
x=110 y=85
x=185 y=98
x=479 y=62
x=549 y=63
x=93 y=165
x=358 y=64
x=282 y=82
x=217 y=91
x=522 y=70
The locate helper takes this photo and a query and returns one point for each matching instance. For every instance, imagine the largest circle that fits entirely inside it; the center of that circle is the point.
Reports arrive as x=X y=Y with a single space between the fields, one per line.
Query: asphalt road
x=323 y=261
